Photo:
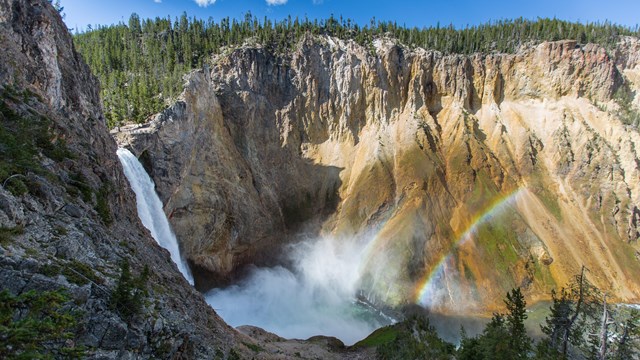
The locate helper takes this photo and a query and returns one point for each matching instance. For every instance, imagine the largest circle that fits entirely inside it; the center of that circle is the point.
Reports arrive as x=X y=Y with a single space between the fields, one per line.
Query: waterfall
x=316 y=296
x=150 y=209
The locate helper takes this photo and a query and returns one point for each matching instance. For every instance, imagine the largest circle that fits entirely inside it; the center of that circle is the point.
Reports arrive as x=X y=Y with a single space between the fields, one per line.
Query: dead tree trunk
x=604 y=330
x=567 y=329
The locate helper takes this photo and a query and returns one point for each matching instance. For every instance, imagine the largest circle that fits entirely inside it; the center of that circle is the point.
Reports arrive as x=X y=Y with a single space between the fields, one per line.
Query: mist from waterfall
x=317 y=296
x=150 y=209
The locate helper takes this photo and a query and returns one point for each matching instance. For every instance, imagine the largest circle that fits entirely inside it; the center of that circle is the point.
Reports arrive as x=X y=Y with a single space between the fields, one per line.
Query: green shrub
x=60 y=230
x=23 y=138
x=78 y=183
x=255 y=348
x=127 y=299
x=627 y=113
x=80 y=273
x=233 y=355
x=102 y=204
x=16 y=186
x=413 y=338
x=7 y=234
x=35 y=325
x=74 y=271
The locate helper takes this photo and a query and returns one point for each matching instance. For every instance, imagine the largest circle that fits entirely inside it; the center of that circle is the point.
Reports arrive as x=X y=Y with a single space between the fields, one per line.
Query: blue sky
x=80 y=13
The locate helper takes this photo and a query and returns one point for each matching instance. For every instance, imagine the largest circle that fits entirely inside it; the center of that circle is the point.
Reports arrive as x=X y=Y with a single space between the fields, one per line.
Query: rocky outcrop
x=513 y=168
x=76 y=223
x=200 y=167
x=68 y=219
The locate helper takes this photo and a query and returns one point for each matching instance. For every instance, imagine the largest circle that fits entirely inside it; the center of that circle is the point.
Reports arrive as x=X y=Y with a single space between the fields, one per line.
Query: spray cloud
x=316 y=296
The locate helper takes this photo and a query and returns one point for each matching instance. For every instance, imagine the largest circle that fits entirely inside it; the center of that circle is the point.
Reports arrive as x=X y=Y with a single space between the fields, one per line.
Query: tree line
x=580 y=325
x=140 y=64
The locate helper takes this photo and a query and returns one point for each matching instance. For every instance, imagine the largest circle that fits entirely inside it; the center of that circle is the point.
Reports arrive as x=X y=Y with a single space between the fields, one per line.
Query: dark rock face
x=79 y=214
x=231 y=189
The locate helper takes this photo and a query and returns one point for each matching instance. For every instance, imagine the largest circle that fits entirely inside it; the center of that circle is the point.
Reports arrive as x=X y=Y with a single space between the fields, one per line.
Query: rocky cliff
x=68 y=224
x=67 y=214
x=468 y=175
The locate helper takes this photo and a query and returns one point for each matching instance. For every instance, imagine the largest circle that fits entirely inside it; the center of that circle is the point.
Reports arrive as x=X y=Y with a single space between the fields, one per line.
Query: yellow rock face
x=471 y=175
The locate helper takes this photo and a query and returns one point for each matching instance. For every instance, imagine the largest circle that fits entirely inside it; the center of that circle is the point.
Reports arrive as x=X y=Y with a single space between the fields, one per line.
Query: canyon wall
x=73 y=221
x=467 y=175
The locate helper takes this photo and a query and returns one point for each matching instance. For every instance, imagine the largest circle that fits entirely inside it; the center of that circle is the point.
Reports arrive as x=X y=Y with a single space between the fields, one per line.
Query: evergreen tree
x=574 y=312
x=469 y=349
x=494 y=343
x=150 y=51
x=56 y=5
x=130 y=292
x=628 y=344
x=519 y=341
x=504 y=337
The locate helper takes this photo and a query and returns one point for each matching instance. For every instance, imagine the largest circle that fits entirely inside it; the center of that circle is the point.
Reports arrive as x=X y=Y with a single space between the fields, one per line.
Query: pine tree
x=504 y=337
x=59 y=8
x=628 y=342
x=494 y=342
x=130 y=292
x=574 y=320
x=163 y=48
x=519 y=341
x=469 y=347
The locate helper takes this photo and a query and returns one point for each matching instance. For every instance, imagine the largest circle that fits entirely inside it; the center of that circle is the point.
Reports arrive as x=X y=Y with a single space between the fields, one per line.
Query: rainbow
x=426 y=290
x=372 y=247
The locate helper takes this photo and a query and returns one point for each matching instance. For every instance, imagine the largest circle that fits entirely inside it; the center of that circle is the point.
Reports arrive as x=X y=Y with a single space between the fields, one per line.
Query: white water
x=316 y=297
x=150 y=209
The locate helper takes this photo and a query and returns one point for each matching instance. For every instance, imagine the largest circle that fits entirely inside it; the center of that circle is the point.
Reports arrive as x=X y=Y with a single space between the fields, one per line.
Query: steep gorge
x=68 y=221
x=467 y=175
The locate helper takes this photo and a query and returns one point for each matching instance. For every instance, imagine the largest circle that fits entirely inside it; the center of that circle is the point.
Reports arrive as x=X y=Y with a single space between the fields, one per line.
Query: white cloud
x=157 y=1
x=276 y=2
x=205 y=3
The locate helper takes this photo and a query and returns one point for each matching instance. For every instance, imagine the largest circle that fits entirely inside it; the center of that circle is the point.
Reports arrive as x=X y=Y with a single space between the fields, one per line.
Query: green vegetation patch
x=255 y=348
x=127 y=299
x=500 y=239
x=542 y=275
x=415 y=339
x=627 y=113
x=550 y=202
x=484 y=192
x=76 y=272
x=540 y=188
x=8 y=233
x=140 y=63
x=382 y=336
x=78 y=185
x=24 y=137
x=102 y=204
x=35 y=325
